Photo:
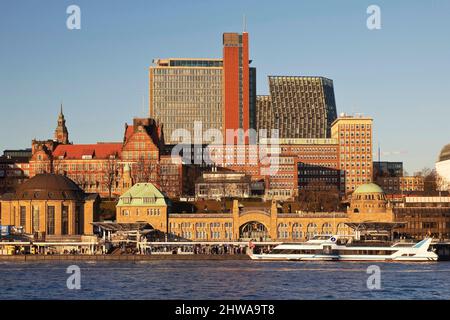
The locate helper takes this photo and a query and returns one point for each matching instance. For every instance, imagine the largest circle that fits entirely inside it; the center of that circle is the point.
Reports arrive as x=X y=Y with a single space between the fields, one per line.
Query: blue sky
x=399 y=75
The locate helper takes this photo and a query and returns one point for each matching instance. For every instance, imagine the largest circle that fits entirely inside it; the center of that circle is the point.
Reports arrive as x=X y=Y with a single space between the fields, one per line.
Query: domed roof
x=369 y=188
x=445 y=153
x=49 y=187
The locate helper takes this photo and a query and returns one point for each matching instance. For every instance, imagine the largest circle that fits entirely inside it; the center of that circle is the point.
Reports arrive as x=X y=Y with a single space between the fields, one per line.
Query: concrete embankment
x=46 y=258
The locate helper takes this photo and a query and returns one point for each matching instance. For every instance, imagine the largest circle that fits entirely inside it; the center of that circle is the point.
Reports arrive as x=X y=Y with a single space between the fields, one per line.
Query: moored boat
x=332 y=248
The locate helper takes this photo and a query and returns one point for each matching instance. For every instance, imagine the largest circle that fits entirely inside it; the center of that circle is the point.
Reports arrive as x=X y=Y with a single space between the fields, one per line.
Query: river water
x=224 y=280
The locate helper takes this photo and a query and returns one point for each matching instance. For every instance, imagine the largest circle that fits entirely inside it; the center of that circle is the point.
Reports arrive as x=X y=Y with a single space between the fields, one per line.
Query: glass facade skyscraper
x=183 y=91
x=264 y=113
x=299 y=107
x=220 y=93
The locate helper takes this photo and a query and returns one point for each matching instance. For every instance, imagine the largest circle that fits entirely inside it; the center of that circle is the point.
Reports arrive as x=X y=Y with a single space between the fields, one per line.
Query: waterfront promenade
x=124 y=257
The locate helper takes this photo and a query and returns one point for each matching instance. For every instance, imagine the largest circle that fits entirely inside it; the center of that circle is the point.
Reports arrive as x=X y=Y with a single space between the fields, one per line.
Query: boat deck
x=369 y=244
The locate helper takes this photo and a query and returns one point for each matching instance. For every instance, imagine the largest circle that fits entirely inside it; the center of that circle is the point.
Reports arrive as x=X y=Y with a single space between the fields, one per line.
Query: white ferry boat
x=331 y=248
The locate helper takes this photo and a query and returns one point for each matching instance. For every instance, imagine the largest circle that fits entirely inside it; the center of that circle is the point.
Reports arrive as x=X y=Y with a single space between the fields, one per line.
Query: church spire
x=61 y=132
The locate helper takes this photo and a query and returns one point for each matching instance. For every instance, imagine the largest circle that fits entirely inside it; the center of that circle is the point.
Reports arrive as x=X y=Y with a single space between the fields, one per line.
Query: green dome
x=369 y=188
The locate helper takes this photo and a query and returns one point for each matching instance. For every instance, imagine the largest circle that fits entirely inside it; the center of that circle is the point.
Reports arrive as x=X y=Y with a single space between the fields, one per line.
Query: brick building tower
x=61 y=133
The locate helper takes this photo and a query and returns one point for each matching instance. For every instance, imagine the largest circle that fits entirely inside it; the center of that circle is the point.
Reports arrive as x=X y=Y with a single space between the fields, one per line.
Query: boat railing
x=369 y=243
x=406 y=241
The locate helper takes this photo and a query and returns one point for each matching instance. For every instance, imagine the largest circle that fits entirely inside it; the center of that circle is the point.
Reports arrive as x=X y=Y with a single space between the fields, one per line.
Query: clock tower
x=61 y=133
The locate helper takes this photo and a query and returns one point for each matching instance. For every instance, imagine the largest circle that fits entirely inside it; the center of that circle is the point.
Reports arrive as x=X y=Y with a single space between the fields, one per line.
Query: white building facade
x=443 y=168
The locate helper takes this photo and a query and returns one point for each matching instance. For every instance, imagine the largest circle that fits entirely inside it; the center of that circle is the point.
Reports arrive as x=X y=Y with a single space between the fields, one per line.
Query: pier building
x=50 y=206
x=243 y=219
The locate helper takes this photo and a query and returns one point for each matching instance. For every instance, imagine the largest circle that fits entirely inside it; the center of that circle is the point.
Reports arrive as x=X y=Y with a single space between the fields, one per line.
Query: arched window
x=297 y=232
x=344 y=230
x=253 y=230
x=283 y=232
x=311 y=230
x=327 y=229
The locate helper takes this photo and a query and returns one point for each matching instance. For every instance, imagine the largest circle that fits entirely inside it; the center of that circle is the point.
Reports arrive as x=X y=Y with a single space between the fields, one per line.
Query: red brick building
x=293 y=165
x=236 y=78
x=94 y=167
x=98 y=168
x=316 y=162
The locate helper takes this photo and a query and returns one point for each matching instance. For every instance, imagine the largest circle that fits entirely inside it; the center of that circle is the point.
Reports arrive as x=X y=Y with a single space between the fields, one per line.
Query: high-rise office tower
x=264 y=113
x=236 y=81
x=299 y=107
x=252 y=98
x=354 y=136
x=183 y=91
x=221 y=93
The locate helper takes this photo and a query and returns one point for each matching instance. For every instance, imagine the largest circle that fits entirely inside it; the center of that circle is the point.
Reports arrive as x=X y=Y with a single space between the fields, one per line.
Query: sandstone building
x=238 y=220
x=50 y=206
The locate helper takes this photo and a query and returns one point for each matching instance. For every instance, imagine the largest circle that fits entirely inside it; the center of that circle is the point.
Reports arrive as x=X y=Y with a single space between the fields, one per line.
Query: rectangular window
x=149 y=199
x=50 y=220
x=65 y=220
x=23 y=216
x=429 y=225
x=78 y=221
x=35 y=218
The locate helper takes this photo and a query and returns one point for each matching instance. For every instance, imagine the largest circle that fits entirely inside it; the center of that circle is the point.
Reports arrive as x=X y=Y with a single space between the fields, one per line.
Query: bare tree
x=42 y=166
x=8 y=184
x=430 y=181
x=319 y=196
x=144 y=171
x=57 y=166
x=442 y=183
x=80 y=180
x=110 y=174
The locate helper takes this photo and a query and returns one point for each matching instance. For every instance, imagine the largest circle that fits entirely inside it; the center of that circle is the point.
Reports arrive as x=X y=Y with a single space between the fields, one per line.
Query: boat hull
x=268 y=257
x=331 y=250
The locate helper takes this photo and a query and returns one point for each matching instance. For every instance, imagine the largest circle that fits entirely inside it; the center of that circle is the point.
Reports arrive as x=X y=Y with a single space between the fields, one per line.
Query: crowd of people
x=192 y=249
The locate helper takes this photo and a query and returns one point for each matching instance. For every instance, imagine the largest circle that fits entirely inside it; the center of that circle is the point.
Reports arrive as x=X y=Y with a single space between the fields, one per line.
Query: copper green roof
x=143 y=195
x=369 y=188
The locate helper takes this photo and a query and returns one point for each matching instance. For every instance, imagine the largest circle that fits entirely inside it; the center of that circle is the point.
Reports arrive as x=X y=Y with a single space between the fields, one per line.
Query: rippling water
x=224 y=280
